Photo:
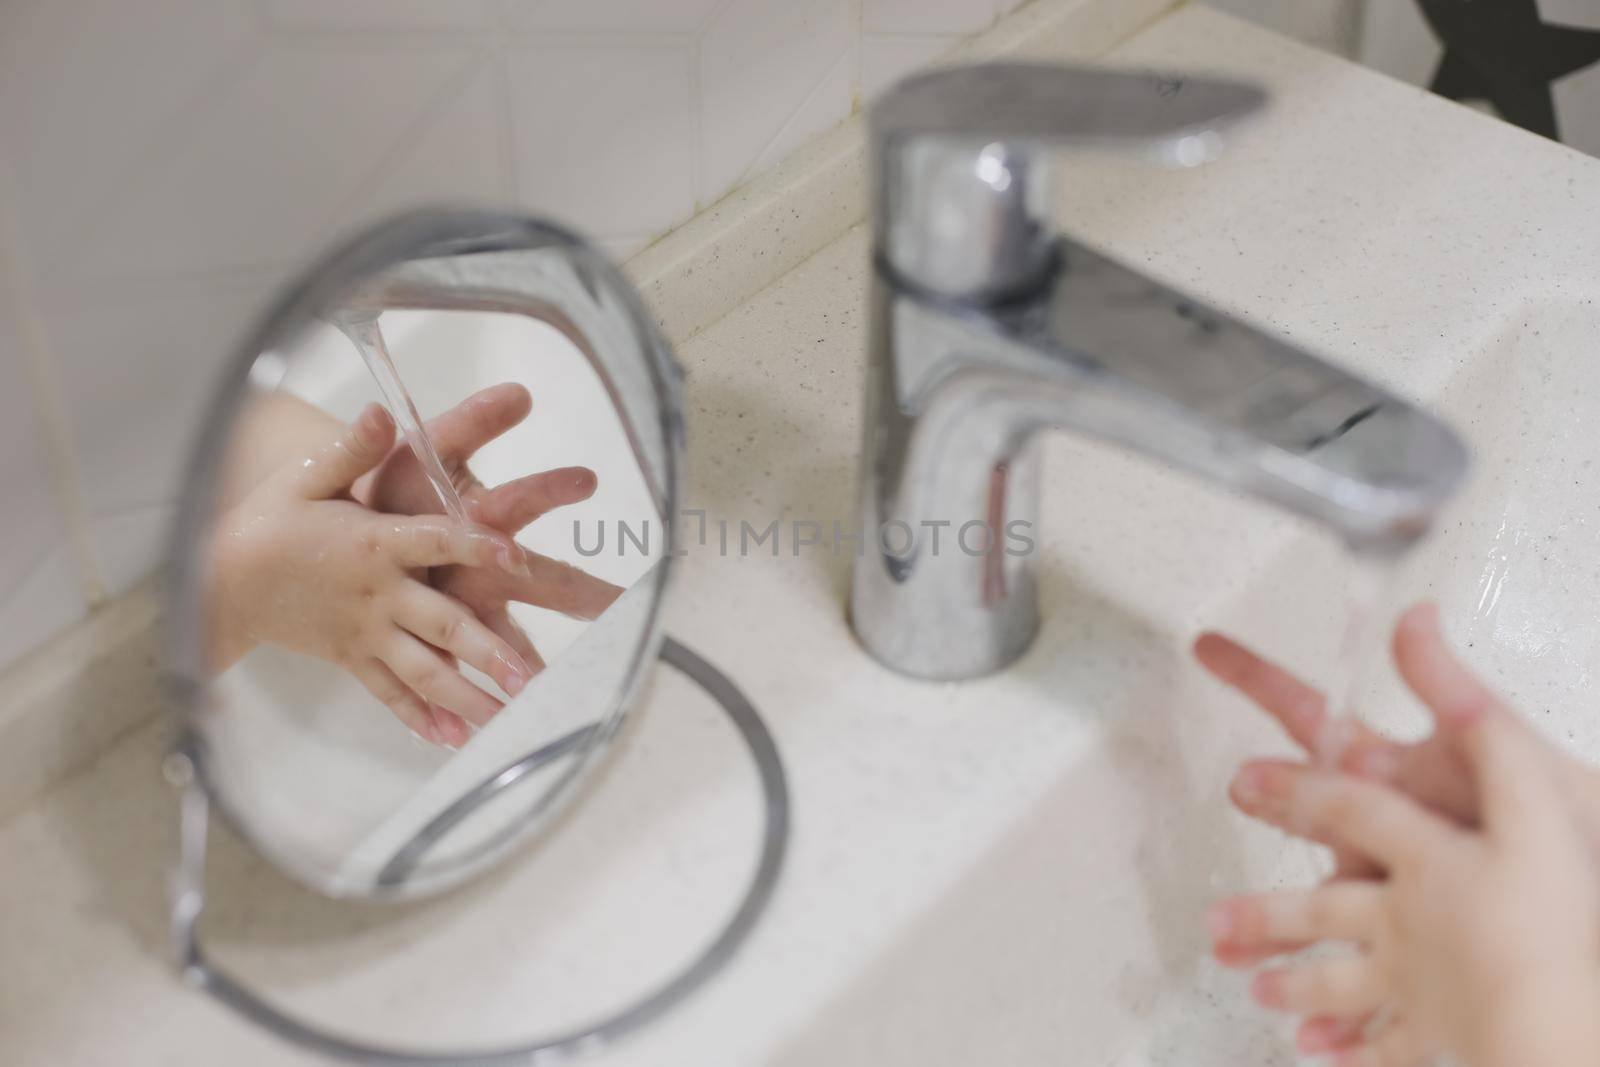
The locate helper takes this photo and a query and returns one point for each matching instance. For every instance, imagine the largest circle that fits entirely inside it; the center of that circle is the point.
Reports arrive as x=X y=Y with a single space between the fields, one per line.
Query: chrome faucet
x=988 y=327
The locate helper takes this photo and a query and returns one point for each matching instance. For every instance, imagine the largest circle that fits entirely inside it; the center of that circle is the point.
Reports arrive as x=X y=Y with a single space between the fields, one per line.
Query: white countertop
x=1006 y=871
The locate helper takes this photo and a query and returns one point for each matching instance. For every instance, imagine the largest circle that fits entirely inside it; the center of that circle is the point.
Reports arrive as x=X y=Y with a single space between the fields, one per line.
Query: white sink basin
x=1078 y=931
x=1016 y=869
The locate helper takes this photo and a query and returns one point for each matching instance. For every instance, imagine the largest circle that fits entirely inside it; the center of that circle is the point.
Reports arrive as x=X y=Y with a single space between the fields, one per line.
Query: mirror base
x=188 y=903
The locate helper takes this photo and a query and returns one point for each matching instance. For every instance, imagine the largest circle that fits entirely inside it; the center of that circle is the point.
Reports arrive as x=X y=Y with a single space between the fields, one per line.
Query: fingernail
x=515 y=683
x=513 y=561
x=1267 y=989
x=1221 y=922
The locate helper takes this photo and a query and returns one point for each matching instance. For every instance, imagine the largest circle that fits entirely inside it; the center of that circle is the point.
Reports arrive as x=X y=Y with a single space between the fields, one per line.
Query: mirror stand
x=188 y=902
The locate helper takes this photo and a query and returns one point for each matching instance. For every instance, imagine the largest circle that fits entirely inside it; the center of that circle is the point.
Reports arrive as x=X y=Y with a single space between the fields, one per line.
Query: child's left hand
x=298 y=564
x=399 y=486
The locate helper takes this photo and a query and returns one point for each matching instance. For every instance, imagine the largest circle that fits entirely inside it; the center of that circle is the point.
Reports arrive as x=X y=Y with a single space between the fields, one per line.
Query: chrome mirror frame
x=414 y=256
x=411 y=256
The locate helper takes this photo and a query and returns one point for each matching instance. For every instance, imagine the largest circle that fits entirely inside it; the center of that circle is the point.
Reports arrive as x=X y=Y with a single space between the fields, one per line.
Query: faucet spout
x=959 y=394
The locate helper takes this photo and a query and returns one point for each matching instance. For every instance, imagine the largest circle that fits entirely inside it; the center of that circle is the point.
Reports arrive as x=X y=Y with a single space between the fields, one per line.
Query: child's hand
x=298 y=564
x=399 y=486
x=1483 y=943
x=1433 y=771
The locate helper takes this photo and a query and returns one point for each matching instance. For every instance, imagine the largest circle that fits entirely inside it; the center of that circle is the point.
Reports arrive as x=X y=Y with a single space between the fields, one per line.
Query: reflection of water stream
x=363 y=330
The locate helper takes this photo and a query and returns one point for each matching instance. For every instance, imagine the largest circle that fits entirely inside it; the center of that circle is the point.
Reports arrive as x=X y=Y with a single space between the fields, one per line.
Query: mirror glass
x=419 y=571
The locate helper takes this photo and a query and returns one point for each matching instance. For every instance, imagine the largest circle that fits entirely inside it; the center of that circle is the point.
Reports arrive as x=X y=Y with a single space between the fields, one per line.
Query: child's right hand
x=299 y=564
x=1431 y=771
x=1484 y=944
x=399 y=485
x=1489 y=942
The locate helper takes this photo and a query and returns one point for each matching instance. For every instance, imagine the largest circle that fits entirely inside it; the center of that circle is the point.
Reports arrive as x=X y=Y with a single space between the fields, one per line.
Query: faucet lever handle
x=962 y=185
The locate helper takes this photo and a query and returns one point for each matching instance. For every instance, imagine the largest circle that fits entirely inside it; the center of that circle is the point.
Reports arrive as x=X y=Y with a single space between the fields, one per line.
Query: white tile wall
x=1332 y=25
x=41 y=588
x=761 y=59
x=1577 y=100
x=887 y=57
x=168 y=162
x=613 y=153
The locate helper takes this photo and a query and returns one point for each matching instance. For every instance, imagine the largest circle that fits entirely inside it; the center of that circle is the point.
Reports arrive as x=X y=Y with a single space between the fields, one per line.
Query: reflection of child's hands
x=399 y=486
x=298 y=564
x=1482 y=942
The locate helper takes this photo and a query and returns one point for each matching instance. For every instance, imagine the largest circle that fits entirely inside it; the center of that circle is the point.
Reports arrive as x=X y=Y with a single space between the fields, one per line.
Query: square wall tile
x=765 y=67
x=887 y=59
x=1331 y=25
x=603 y=134
x=928 y=16
x=259 y=177
x=828 y=103
x=136 y=373
x=460 y=157
x=1397 y=40
x=88 y=88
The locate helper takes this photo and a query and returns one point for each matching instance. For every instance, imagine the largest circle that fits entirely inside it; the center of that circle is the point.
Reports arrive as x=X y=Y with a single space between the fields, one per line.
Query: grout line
x=713 y=15
x=432 y=112
x=856 y=94
x=137 y=173
x=38 y=364
x=755 y=164
x=697 y=104
x=507 y=107
x=697 y=149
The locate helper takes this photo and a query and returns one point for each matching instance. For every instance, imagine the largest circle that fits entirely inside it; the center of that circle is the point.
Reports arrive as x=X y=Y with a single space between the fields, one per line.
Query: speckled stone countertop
x=1006 y=871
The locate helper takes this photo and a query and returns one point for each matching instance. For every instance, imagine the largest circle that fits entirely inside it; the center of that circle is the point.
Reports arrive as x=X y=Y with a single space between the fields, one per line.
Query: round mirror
x=419 y=568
